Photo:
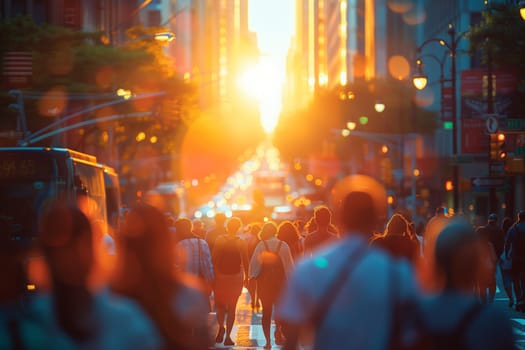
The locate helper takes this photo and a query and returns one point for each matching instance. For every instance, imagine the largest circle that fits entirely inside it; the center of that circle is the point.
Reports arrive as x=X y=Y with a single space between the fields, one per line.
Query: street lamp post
x=420 y=80
x=452 y=46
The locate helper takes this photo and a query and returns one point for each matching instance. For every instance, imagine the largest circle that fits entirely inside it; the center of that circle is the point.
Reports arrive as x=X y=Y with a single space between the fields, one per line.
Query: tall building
x=213 y=43
x=339 y=41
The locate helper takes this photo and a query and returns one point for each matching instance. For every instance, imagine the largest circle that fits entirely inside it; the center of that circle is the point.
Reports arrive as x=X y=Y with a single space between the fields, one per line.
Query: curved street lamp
x=452 y=46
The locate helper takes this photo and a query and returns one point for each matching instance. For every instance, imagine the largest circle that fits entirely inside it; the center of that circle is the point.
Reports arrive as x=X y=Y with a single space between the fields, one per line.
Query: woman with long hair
x=145 y=272
x=288 y=232
x=397 y=239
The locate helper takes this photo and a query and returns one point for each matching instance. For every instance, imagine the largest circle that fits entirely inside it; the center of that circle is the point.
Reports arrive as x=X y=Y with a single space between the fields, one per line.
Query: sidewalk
x=247 y=332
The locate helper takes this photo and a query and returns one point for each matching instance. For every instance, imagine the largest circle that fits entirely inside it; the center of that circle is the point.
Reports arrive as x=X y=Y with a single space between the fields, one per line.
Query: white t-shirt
x=359 y=316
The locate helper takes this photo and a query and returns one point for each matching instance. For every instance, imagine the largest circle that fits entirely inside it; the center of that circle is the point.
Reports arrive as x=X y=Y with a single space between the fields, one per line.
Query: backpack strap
x=265 y=245
x=466 y=320
x=336 y=285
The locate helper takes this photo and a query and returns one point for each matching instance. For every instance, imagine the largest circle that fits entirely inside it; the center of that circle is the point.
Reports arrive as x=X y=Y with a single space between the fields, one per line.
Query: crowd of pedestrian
x=347 y=278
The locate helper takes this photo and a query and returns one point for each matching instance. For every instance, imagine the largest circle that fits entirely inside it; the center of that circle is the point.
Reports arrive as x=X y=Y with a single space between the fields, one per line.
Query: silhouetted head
x=183 y=228
x=268 y=231
x=322 y=216
x=359 y=204
x=145 y=249
x=521 y=215
x=457 y=255
x=66 y=239
x=233 y=225
x=288 y=232
x=358 y=213
x=220 y=219
x=397 y=225
x=493 y=218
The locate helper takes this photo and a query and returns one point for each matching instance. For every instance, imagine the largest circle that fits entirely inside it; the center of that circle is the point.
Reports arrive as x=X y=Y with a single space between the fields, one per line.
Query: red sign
x=18 y=69
x=473 y=136
x=447 y=101
x=474 y=82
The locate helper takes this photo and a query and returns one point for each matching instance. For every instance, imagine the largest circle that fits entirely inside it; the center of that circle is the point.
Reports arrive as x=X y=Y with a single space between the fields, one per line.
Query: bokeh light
x=53 y=102
x=398 y=67
x=416 y=15
x=400 y=6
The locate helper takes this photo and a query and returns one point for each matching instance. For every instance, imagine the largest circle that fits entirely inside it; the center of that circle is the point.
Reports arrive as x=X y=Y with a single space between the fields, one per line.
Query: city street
x=247 y=332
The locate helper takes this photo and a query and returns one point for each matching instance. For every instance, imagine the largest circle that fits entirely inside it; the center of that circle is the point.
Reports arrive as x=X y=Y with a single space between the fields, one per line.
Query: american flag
x=18 y=69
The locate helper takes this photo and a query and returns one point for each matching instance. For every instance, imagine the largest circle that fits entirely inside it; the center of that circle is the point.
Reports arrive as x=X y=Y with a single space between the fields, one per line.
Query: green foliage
x=502 y=31
x=302 y=132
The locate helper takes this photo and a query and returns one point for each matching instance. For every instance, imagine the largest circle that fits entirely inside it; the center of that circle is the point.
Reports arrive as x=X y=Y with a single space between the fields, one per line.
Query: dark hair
x=183 y=227
x=358 y=212
x=288 y=232
x=60 y=222
x=322 y=215
x=268 y=231
x=145 y=237
x=397 y=225
x=452 y=255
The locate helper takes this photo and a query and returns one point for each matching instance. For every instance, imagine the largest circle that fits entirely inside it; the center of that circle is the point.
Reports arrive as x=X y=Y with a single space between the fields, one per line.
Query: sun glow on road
x=264 y=83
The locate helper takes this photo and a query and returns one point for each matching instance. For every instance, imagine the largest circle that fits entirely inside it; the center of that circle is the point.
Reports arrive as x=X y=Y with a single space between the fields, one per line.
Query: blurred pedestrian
x=254 y=229
x=199 y=229
x=345 y=293
x=145 y=272
x=192 y=254
x=516 y=244
x=216 y=231
x=455 y=319
x=74 y=313
x=322 y=234
x=505 y=263
x=397 y=240
x=288 y=232
x=270 y=265
x=230 y=262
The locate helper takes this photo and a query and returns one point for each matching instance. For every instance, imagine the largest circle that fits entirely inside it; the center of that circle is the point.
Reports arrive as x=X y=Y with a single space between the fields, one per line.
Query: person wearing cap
x=493 y=240
x=515 y=245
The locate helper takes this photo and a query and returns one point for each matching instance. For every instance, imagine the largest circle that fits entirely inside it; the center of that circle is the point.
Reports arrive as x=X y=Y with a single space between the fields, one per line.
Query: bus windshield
x=25 y=183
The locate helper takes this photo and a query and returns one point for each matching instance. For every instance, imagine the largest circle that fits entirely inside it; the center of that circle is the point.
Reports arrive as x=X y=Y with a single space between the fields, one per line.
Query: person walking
x=216 y=231
x=230 y=261
x=454 y=318
x=505 y=263
x=254 y=229
x=145 y=272
x=322 y=234
x=397 y=240
x=270 y=265
x=346 y=292
x=288 y=232
x=516 y=244
x=192 y=254
x=73 y=315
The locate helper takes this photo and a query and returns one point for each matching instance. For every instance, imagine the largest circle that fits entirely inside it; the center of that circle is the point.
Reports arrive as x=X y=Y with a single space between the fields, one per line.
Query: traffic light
x=497 y=147
x=449 y=185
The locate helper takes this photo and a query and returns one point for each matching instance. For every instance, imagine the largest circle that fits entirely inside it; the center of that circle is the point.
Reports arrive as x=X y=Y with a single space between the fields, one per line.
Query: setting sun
x=265 y=81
